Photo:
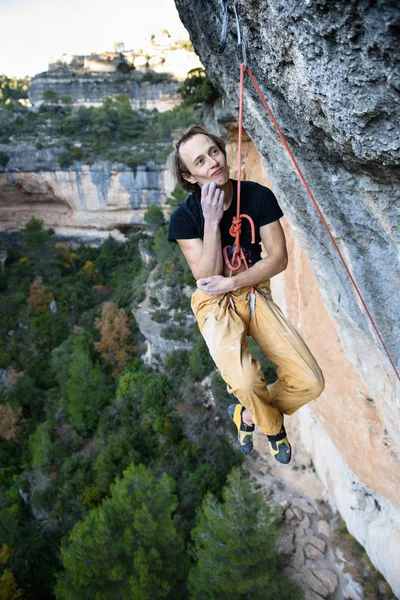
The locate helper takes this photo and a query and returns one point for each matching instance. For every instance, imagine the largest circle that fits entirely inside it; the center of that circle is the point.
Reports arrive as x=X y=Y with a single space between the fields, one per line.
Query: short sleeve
x=182 y=226
x=270 y=210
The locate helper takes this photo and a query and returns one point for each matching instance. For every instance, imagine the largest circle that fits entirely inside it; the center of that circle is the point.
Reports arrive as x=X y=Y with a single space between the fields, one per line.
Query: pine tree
x=39 y=247
x=154 y=217
x=127 y=548
x=177 y=196
x=234 y=544
x=85 y=387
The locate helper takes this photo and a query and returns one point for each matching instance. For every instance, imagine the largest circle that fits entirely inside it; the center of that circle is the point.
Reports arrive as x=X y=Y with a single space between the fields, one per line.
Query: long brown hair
x=178 y=166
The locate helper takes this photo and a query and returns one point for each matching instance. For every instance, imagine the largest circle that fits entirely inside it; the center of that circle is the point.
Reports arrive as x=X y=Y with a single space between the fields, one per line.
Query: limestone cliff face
x=91 y=89
x=149 y=77
x=88 y=201
x=159 y=346
x=327 y=69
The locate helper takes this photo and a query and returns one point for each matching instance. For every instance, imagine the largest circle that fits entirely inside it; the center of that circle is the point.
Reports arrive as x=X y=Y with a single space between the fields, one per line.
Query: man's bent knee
x=316 y=386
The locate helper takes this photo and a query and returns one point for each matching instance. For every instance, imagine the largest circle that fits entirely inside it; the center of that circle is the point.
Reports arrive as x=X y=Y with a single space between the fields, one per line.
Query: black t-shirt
x=257 y=201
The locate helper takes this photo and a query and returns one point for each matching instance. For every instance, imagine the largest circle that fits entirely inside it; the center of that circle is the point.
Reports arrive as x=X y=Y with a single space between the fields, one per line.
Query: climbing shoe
x=279 y=447
x=245 y=432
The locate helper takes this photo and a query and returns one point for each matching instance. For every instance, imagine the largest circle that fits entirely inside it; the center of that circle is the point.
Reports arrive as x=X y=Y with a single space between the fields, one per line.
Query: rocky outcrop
x=102 y=197
x=155 y=313
x=327 y=70
x=91 y=89
x=150 y=77
x=345 y=423
x=315 y=549
x=87 y=202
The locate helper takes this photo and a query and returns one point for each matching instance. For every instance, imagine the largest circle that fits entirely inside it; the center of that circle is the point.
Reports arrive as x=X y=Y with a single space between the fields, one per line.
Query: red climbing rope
x=235 y=229
x=236 y=223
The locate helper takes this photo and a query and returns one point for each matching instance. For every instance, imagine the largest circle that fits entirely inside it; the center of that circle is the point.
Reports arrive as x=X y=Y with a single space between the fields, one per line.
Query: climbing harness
x=235 y=229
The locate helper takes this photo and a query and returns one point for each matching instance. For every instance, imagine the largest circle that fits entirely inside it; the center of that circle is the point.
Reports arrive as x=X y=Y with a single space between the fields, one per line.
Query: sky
x=34 y=31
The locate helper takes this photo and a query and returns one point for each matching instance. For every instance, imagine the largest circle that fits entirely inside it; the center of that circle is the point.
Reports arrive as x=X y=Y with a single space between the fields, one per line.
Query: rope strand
x=238 y=257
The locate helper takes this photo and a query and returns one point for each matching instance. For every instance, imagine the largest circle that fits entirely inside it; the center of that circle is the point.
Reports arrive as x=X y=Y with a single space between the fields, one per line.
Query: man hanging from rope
x=229 y=308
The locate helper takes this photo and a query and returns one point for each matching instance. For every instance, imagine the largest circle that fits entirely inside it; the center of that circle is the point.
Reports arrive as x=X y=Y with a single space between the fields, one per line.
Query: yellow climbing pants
x=225 y=321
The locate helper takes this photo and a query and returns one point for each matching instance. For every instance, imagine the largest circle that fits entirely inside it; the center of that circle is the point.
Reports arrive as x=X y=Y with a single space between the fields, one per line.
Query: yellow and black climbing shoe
x=245 y=432
x=279 y=447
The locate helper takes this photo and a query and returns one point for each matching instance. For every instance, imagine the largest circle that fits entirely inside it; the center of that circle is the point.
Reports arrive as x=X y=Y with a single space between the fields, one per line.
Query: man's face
x=204 y=161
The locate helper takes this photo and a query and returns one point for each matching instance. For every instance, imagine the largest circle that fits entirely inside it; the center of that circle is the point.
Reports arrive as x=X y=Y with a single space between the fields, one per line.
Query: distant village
x=149 y=76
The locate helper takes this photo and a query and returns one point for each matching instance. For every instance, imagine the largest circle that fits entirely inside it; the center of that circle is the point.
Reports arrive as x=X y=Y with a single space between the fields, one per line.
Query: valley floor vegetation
x=113 y=131
x=117 y=480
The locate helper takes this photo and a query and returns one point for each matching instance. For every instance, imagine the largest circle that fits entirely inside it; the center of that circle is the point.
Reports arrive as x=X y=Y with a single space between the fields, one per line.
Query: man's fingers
x=204 y=190
x=211 y=192
x=217 y=194
x=203 y=281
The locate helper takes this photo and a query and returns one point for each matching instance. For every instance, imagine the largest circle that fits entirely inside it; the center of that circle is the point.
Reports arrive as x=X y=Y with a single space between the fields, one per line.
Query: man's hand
x=204 y=257
x=215 y=285
x=212 y=203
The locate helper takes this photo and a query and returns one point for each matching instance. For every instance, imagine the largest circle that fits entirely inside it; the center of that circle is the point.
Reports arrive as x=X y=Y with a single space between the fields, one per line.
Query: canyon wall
x=85 y=201
x=91 y=89
x=150 y=76
x=327 y=70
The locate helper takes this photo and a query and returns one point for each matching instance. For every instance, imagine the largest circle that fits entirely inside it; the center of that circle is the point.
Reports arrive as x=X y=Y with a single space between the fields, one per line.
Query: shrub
x=50 y=96
x=197 y=88
x=200 y=361
x=65 y=159
x=154 y=217
x=77 y=153
x=4 y=158
x=177 y=196
x=160 y=316
x=175 y=332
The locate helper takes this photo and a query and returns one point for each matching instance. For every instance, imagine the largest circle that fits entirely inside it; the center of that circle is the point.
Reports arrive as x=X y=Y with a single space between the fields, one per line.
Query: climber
x=227 y=306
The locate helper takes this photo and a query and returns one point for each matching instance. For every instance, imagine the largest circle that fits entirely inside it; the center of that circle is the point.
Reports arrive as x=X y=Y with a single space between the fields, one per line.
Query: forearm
x=210 y=262
x=261 y=271
x=273 y=238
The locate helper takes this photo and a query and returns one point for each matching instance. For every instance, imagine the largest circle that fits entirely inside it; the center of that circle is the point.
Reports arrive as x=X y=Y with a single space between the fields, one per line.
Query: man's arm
x=204 y=257
x=273 y=238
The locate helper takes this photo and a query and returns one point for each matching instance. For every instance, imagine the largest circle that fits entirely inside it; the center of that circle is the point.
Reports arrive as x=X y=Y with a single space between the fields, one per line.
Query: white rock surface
x=370 y=518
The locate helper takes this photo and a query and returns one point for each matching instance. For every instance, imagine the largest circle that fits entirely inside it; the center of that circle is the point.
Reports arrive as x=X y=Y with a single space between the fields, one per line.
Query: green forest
x=112 y=131
x=116 y=480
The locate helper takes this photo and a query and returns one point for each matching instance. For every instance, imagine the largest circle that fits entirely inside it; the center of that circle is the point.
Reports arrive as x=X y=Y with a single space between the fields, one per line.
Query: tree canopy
x=128 y=547
x=234 y=544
